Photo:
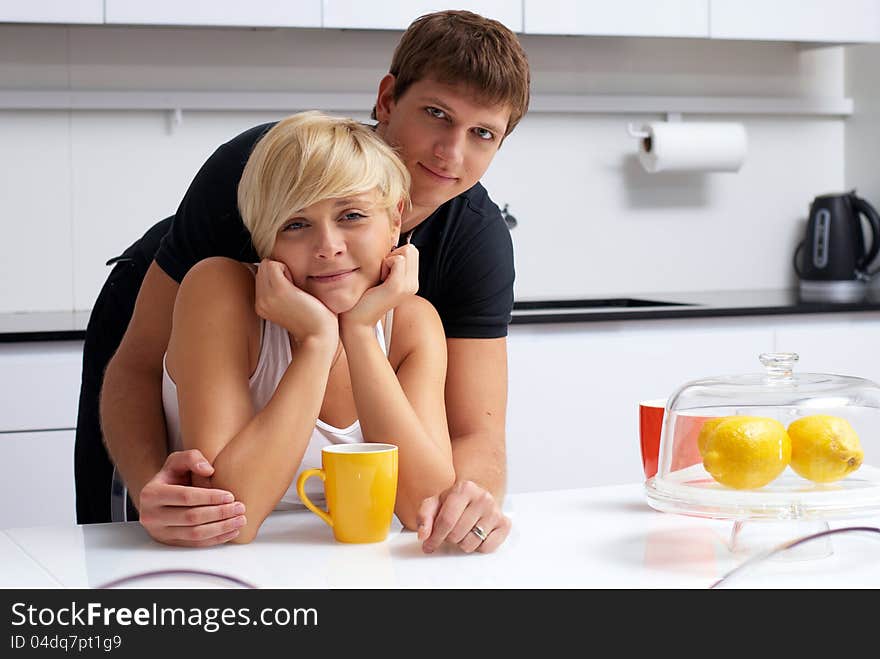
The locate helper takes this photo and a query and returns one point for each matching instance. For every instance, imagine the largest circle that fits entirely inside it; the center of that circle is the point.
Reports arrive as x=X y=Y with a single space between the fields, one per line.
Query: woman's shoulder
x=416 y=310
x=217 y=283
x=219 y=273
x=416 y=324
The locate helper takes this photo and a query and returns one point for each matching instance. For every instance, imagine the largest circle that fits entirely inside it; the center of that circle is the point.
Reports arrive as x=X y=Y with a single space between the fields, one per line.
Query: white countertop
x=19 y=570
x=604 y=537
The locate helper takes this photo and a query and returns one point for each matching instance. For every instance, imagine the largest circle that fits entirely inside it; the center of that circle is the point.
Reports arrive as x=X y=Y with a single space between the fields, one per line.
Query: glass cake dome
x=771 y=445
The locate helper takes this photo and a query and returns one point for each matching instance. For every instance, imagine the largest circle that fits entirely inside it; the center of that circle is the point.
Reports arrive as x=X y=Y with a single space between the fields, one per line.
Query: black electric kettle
x=832 y=261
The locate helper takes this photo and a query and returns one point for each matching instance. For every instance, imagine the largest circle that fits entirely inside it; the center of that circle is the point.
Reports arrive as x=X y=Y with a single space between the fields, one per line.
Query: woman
x=266 y=365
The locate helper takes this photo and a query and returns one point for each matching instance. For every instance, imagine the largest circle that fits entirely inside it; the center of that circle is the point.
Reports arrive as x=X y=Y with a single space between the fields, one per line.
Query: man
x=457 y=86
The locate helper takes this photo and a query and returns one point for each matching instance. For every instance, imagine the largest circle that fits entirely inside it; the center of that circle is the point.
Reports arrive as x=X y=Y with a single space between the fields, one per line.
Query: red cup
x=687 y=429
x=650 y=427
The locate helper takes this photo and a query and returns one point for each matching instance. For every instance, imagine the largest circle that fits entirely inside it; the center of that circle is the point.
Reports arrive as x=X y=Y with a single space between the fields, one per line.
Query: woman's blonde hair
x=310 y=157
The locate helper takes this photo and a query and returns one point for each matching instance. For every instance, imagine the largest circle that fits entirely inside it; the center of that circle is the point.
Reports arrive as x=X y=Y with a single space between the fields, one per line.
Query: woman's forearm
x=258 y=464
x=386 y=415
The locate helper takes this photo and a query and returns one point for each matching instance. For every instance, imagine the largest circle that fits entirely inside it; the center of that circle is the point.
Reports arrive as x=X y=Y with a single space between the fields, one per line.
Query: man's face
x=444 y=135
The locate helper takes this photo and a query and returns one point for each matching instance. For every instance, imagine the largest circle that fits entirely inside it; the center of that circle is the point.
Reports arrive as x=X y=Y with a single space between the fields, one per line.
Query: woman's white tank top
x=275 y=356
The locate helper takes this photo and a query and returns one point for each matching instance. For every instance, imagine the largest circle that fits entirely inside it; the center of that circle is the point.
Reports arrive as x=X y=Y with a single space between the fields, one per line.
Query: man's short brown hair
x=460 y=47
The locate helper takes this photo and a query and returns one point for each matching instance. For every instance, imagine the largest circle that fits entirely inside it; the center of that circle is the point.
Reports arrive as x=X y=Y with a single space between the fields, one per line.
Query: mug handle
x=300 y=490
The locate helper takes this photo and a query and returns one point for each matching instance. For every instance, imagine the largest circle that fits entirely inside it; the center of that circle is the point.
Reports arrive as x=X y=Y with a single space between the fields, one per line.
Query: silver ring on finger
x=479 y=532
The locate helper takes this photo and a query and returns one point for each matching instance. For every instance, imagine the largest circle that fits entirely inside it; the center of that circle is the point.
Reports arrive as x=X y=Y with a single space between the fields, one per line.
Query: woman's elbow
x=246 y=534
x=442 y=481
x=408 y=512
x=409 y=520
x=243 y=538
x=447 y=479
x=439 y=481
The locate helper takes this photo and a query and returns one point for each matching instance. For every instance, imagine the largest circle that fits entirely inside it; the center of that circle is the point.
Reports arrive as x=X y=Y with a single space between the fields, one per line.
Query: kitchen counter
x=43 y=326
x=701 y=304
x=603 y=537
x=71 y=325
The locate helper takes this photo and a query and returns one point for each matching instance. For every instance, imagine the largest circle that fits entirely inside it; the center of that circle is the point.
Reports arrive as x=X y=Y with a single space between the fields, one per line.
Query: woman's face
x=334 y=248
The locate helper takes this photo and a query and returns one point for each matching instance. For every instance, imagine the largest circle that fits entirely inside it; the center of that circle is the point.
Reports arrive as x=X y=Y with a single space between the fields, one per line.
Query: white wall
x=863 y=129
x=79 y=186
x=862 y=170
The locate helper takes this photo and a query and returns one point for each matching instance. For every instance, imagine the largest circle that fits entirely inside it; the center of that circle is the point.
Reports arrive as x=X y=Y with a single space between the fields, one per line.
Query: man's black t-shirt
x=465 y=251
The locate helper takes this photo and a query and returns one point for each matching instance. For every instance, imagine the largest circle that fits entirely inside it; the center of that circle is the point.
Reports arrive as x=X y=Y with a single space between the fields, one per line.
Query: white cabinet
x=39 y=385
x=36 y=472
x=574 y=390
x=52 y=11
x=836 y=21
x=831 y=21
x=649 y=18
x=39 y=393
x=828 y=21
x=846 y=346
x=393 y=15
x=254 y=13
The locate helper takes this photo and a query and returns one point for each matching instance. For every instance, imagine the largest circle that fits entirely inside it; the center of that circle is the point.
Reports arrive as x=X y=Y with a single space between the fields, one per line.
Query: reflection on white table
x=20 y=570
x=603 y=537
x=828 y=558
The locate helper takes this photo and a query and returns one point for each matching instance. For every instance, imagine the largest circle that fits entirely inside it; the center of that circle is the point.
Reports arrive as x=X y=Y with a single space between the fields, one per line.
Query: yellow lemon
x=824 y=448
x=745 y=452
x=706 y=430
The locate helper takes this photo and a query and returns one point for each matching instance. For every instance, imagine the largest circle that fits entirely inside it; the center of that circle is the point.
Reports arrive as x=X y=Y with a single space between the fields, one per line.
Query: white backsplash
x=78 y=187
x=592 y=222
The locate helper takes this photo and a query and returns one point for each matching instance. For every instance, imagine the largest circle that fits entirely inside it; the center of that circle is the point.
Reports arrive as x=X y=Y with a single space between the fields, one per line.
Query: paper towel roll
x=692 y=146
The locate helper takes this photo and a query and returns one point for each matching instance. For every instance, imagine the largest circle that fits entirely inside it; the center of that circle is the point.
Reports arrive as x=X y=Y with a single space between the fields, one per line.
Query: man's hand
x=451 y=517
x=175 y=512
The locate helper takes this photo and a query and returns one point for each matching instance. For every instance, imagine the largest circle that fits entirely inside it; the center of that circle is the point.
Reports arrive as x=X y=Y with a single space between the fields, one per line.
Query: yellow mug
x=360 y=484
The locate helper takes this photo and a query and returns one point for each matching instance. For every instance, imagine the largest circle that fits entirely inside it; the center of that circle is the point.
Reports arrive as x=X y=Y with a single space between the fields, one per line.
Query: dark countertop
x=701 y=304
x=71 y=325
x=43 y=326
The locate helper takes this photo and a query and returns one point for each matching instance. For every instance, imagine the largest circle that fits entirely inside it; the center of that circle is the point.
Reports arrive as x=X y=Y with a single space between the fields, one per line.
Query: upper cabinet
x=233 y=13
x=396 y=15
x=817 y=21
x=832 y=21
x=52 y=11
x=631 y=18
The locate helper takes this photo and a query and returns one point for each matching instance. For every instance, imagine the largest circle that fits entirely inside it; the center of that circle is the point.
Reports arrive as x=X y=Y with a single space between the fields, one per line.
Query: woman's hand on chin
x=400 y=280
x=279 y=300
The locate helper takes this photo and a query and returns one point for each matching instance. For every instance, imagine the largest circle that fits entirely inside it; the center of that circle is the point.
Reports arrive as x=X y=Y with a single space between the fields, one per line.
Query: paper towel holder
x=643 y=134
x=721 y=146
